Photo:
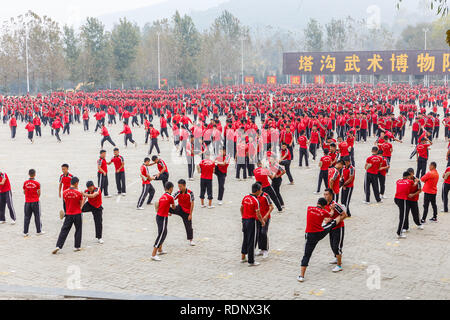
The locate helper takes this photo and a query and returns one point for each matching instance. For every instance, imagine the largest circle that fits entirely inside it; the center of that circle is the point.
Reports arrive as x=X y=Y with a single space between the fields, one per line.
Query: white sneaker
x=56 y=250
x=108 y=196
x=405 y=231
x=124 y=194
x=156 y=258
x=402 y=236
x=140 y=208
x=259 y=253
x=220 y=203
x=191 y=243
x=365 y=202
x=254 y=264
x=265 y=254
x=421 y=227
x=100 y=241
x=337 y=269
x=334 y=261
x=76 y=249
x=203 y=206
x=2 y=222
x=211 y=207
x=384 y=197
x=40 y=233
x=25 y=235
x=315 y=192
x=13 y=222
x=300 y=279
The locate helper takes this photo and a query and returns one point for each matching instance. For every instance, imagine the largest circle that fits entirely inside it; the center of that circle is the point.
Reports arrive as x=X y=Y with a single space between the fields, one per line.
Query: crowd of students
x=257 y=129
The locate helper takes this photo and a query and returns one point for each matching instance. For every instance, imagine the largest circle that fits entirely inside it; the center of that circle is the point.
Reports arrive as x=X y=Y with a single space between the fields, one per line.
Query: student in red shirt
x=403 y=190
x=412 y=202
x=102 y=173
x=74 y=202
x=265 y=208
x=303 y=149
x=32 y=192
x=119 y=166
x=422 y=156
x=250 y=212
x=154 y=139
x=429 y=189
x=222 y=163
x=206 y=169
x=147 y=188
x=30 y=128
x=94 y=205
x=372 y=167
x=13 y=126
x=128 y=136
x=6 y=199
x=446 y=188
x=324 y=164
x=106 y=137
x=163 y=206
x=185 y=208
x=348 y=180
x=163 y=171
x=286 y=158
x=316 y=230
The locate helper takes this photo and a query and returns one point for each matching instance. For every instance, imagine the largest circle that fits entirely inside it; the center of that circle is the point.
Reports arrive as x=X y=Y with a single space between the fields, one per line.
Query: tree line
x=92 y=57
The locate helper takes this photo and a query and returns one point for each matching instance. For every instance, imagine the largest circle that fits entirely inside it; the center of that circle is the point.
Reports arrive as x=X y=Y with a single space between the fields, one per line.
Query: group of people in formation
x=257 y=129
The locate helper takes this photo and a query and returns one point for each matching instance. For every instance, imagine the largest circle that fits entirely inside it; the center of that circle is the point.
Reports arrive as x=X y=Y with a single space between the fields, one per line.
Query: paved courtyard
x=376 y=264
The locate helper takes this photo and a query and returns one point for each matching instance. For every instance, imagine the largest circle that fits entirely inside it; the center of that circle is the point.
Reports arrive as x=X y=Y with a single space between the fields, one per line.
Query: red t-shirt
x=65 y=180
x=326 y=162
x=207 y=169
x=7 y=186
x=264 y=204
x=72 y=199
x=118 y=161
x=222 y=168
x=97 y=201
x=103 y=165
x=333 y=173
x=165 y=202
x=250 y=204
x=314 y=219
x=262 y=176
x=422 y=150
x=30 y=188
x=375 y=161
x=184 y=200
x=403 y=189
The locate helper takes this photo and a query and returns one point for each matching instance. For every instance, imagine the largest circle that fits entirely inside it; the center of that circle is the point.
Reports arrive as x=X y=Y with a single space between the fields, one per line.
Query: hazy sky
x=71 y=12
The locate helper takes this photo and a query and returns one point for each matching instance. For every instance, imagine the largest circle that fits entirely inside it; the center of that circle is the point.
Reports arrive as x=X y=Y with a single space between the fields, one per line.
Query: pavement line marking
x=66 y=293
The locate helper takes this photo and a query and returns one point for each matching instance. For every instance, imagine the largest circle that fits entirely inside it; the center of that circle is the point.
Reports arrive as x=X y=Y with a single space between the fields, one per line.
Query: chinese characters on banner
x=406 y=62
x=296 y=80
x=249 y=79
x=271 y=80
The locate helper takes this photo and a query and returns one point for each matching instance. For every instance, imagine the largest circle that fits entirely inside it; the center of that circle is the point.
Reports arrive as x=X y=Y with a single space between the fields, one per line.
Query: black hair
x=146 y=159
x=329 y=190
x=154 y=158
x=32 y=172
x=74 y=181
x=182 y=181
x=322 y=202
x=65 y=165
x=89 y=184
x=168 y=185
x=256 y=187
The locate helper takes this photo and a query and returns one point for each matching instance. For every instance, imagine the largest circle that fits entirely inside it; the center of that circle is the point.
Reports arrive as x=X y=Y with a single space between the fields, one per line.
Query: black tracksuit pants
x=312 y=239
x=147 y=189
x=120 y=182
x=249 y=241
x=69 y=221
x=269 y=190
x=31 y=208
x=187 y=223
x=97 y=213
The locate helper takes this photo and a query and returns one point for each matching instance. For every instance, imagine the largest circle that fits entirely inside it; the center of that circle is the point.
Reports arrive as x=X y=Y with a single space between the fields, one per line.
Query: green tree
x=125 y=40
x=71 y=52
x=95 y=54
x=336 y=34
x=186 y=50
x=313 y=36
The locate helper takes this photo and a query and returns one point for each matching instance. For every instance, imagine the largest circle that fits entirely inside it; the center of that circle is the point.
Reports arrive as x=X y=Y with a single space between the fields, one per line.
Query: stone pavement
x=376 y=264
